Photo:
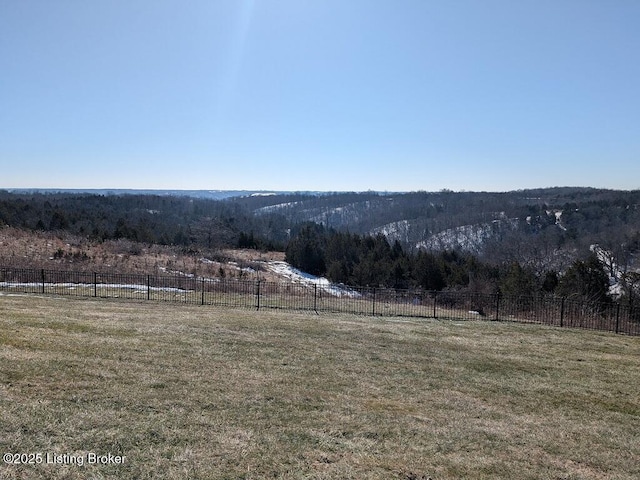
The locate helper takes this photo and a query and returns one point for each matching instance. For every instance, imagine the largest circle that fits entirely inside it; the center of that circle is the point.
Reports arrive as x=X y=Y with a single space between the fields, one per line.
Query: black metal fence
x=319 y=297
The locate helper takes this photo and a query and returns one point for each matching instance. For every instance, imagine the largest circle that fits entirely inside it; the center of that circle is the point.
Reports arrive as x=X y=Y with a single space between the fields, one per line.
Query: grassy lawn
x=202 y=392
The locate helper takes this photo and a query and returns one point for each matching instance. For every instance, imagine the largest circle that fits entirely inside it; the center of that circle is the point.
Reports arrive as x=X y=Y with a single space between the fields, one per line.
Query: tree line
x=538 y=257
x=367 y=260
x=151 y=219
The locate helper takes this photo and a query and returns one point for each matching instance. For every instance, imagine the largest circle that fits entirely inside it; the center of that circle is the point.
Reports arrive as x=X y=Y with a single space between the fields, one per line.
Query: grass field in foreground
x=197 y=392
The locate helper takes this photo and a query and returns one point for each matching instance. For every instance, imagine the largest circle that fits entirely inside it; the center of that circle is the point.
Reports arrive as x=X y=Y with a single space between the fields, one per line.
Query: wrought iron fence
x=317 y=297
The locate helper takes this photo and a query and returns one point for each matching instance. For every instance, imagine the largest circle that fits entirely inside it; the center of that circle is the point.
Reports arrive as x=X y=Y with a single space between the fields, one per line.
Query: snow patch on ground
x=284 y=270
x=176 y=272
x=287 y=273
x=72 y=286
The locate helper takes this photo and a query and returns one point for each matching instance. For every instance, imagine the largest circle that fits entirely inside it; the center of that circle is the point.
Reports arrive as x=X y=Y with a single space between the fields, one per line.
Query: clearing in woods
x=180 y=391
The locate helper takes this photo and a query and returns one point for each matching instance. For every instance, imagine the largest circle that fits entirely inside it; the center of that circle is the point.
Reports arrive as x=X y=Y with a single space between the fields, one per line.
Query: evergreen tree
x=586 y=279
x=306 y=251
x=427 y=272
x=518 y=281
x=550 y=282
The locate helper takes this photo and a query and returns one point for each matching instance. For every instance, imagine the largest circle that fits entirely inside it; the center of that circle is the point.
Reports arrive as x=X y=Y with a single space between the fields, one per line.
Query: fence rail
x=548 y=310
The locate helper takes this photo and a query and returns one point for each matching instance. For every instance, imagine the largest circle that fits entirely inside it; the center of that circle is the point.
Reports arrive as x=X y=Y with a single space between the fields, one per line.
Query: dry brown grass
x=60 y=251
x=199 y=392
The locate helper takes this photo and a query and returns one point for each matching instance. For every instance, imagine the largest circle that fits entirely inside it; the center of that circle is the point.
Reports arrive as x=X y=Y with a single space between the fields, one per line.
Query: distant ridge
x=206 y=194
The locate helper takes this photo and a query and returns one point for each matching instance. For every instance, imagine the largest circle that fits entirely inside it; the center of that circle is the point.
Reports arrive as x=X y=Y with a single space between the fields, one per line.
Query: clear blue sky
x=391 y=95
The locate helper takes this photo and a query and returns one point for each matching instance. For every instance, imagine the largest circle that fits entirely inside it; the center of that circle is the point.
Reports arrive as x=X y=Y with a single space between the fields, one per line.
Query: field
x=180 y=391
x=59 y=251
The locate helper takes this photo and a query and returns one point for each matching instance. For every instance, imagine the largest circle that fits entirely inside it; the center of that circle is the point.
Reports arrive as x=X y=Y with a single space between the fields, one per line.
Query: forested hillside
x=518 y=242
x=370 y=260
x=542 y=229
x=167 y=220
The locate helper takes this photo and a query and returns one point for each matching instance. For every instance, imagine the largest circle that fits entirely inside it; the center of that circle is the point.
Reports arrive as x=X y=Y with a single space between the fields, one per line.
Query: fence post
x=435 y=301
x=95 y=284
x=373 y=305
x=562 y=312
x=618 y=317
x=202 y=299
x=257 y=291
x=148 y=287
x=315 y=297
x=42 y=273
x=497 y=305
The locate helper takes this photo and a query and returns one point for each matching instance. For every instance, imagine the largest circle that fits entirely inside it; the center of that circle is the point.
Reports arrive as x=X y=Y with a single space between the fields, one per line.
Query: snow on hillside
x=470 y=238
x=274 y=208
x=395 y=230
x=284 y=270
x=615 y=273
x=340 y=216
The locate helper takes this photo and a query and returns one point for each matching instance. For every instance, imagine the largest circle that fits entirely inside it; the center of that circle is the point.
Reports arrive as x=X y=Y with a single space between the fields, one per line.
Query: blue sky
x=353 y=95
